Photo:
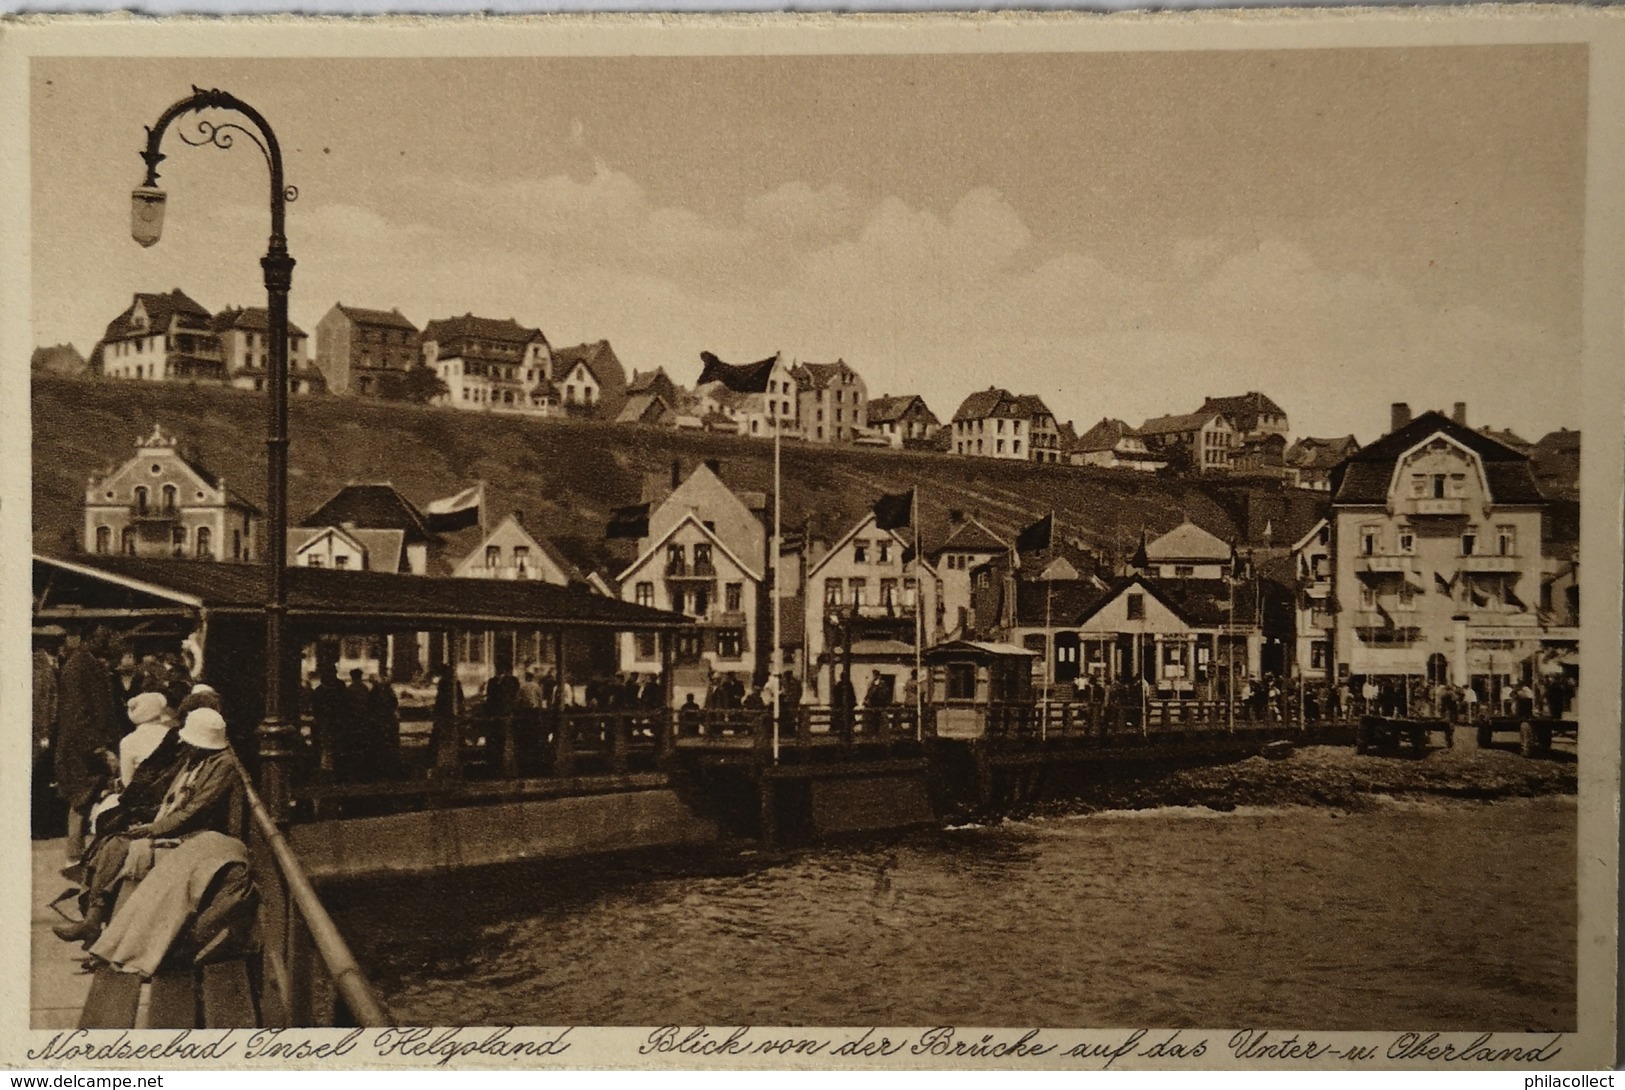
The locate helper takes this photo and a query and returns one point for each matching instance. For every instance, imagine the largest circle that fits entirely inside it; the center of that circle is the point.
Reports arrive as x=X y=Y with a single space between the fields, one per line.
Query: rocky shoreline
x=1326 y=776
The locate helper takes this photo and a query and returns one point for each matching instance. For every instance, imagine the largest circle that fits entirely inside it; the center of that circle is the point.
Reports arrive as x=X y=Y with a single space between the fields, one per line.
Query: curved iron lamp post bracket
x=276 y=736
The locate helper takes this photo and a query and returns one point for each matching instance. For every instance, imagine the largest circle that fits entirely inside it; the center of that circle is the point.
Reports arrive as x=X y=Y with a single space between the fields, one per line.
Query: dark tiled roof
x=315 y=594
x=371 y=507
x=1032 y=405
x=363 y=316
x=816 y=376
x=1363 y=477
x=1312 y=453
x=160 y=309
x=972 y=536
x=565 y=359
x=451 y=332
x=644 y=382
x=253 y=319
x=988 y=403
x=1104 y=435
x=1054 y=600
x=1166 y=425
x=1248 y=406
x=741 y=378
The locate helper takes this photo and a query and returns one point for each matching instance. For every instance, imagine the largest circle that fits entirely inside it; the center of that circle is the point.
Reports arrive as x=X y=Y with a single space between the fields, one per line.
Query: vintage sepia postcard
x=818 y=542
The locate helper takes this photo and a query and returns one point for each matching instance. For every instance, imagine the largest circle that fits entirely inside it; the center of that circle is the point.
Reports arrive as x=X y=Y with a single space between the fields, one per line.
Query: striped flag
x=456 y=512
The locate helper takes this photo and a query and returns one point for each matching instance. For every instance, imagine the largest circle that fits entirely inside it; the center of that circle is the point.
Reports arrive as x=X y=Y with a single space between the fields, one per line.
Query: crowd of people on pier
x=138 y=753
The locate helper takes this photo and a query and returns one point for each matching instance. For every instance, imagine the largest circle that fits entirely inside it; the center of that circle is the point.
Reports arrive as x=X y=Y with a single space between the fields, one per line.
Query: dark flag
x=1238 y=568
x=1141 y=559
x=632 y=522
x=1512 y=598
x=1446 y=586
x=908 y=554
x=895 y=512
x=1037 y=537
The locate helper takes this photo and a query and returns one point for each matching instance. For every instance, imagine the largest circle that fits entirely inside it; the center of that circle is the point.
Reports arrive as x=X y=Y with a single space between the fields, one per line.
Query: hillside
x=567 y=475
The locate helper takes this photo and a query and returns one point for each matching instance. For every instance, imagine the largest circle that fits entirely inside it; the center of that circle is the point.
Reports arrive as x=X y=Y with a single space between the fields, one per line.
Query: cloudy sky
x=1121 y=233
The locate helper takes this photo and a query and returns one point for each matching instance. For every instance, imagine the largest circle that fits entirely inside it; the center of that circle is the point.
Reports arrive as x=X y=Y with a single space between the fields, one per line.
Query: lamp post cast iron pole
x=276 y=732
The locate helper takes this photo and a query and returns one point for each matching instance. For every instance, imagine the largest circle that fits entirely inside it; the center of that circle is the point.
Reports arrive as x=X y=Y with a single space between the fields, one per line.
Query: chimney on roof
x=1399 y=415
x=1458 y=413
x=956 y=515
x=519 y=516
x=676 y=473
x=714 y=466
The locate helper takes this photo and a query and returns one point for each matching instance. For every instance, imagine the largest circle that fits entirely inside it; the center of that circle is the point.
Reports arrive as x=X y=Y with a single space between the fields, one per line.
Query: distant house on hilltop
x=1556 y=460
x=161 y=337
x=492 y=365
x=650 y=410
x=1252 y=414
x=245 y=343
x=1313 y=459
x=590 y=379
x=758 y=397
x=905 y=421
x=1113 y=444
x=655 y=382
x=831 y=401
x=1207 y=436
x=357 y=348
x=163 y=503
x=58 y=359
x=994 y=423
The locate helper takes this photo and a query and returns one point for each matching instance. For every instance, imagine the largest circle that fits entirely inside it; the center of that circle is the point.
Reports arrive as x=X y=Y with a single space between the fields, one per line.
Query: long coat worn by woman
x=85 y=723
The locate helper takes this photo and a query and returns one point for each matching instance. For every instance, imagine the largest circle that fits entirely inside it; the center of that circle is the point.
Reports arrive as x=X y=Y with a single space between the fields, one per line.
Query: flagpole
x=1230 y=648
x=481 y=500
x=919 y=620
x=778 y=637
x=1049 y=662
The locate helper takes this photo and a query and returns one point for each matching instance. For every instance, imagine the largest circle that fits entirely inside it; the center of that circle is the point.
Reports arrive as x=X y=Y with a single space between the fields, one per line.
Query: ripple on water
x=1404 y=915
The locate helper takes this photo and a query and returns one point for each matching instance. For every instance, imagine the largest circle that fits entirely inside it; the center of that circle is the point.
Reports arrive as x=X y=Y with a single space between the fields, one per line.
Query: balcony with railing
x=1385 y=562
x=1491 y=562
x=155 y=512
x=1436 y=506
x=701 y=570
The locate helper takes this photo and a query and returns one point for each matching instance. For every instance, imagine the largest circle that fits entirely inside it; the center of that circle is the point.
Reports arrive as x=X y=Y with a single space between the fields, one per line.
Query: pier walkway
x=57 y=988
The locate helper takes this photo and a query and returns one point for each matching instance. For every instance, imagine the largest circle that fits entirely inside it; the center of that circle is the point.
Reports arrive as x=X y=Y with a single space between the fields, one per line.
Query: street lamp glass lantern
x=146 y=214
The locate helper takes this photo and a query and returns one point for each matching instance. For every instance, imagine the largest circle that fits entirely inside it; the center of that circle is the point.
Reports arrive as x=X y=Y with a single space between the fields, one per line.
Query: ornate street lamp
x=276 y=734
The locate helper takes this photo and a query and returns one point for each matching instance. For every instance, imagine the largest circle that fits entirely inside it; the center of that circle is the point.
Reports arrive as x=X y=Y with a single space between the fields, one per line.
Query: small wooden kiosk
x=968 y=679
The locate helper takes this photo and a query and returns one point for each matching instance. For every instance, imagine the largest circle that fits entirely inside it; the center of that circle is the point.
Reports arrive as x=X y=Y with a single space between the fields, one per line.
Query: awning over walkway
x=94 y=587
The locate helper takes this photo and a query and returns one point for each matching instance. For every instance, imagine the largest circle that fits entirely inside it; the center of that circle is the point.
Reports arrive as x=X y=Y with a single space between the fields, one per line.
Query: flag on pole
x=629 y=522
x=1141 y=559
x=1237 y=567
x=895 y=511
x=1446 y=586
x=1037 y=537
x=457 y=512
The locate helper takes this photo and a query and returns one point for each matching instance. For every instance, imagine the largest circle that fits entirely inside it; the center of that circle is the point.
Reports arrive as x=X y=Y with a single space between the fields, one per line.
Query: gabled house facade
x=161 y=503
x=510 y=551
x=994 y=423
x=161 y=337
x=492 y=365
x=867 y=597
x=831 y=402
x=905 y=421
x=1207 y=437
x=690 y=569
x=969 y=545
x=1436 y=540
x=245 y=344
x=358 y=348
x=584 y=375
x=1186 y=552
x=346 y=548
x=1113 y=444
x=378 y=506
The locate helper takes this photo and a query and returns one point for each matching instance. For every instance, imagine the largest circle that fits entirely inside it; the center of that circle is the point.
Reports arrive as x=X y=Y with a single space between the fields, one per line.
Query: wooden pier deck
x=57 y=988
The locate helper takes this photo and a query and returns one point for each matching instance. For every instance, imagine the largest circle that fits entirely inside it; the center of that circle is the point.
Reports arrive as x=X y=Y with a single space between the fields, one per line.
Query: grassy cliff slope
x=567 y=475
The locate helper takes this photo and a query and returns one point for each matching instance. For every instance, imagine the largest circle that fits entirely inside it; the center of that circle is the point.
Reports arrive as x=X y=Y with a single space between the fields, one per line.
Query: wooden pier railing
x=309 y=977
